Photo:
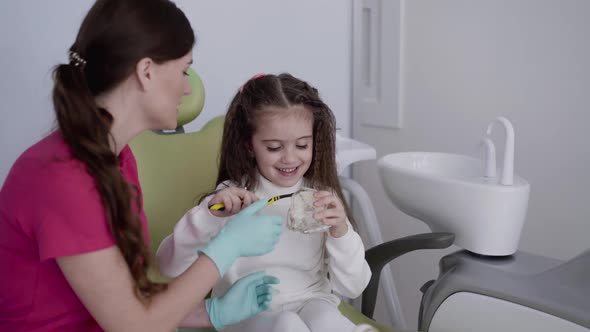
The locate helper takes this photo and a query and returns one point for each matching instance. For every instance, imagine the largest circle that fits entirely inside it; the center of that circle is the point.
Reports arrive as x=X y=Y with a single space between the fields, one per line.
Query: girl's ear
x=250 y=149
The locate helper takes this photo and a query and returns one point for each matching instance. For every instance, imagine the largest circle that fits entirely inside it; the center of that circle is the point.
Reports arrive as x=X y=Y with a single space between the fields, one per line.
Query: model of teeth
x=300 y=216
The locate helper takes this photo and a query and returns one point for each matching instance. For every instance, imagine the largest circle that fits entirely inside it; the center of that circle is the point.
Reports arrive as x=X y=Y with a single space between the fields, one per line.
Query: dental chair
x=176 y=168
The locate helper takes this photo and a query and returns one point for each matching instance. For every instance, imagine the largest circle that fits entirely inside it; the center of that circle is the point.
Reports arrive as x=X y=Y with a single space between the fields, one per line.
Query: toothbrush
x=221 y=206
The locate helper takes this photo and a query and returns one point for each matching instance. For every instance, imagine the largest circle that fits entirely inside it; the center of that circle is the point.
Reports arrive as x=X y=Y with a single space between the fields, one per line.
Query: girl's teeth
x=287 y=170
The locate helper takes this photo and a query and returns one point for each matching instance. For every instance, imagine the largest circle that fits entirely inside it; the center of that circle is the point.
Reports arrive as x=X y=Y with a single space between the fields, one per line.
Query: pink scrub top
x=49 y=208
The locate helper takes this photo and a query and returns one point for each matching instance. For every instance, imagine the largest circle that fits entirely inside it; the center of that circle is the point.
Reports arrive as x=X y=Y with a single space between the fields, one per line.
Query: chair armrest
x=378 y=256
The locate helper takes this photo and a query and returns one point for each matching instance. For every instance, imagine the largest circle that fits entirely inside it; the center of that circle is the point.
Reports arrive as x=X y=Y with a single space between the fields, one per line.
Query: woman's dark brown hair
x=237 y=163
x=113 y=37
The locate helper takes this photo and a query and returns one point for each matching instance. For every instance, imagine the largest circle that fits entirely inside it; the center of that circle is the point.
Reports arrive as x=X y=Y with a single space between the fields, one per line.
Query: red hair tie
x=251 y=79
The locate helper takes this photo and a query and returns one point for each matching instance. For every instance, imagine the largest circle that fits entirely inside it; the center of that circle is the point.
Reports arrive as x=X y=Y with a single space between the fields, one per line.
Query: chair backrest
x=175 y=169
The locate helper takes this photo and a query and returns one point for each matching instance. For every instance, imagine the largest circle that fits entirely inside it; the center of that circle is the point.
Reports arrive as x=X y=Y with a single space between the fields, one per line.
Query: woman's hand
x=245 y=234
x=234 y=199
x=333 y=215
x=247 y=297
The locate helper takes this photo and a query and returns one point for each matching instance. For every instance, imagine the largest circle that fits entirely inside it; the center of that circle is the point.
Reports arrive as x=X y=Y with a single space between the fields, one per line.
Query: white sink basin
x=349 y=151
x=450 y=194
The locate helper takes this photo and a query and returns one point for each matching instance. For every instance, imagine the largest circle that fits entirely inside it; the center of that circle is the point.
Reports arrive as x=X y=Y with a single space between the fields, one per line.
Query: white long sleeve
x=349 y=271
x=298 y=260
x=192 y=233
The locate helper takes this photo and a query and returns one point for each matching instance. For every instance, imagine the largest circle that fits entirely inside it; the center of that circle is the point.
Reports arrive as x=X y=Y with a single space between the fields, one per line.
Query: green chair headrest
x=191 y=105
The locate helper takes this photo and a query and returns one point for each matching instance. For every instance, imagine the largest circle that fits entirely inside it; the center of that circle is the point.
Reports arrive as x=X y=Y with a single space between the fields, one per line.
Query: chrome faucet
x=507 y=177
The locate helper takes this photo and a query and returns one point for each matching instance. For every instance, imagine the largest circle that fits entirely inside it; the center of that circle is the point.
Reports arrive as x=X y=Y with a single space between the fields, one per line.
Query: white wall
x=468 y=61
x=235 y=40
x=34 y=37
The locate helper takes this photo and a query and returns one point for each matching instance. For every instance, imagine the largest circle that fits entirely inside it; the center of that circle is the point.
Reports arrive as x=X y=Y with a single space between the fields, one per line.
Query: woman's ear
x=144 y=73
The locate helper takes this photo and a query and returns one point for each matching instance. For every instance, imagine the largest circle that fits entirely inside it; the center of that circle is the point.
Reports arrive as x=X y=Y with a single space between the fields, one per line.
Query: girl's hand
x=234 y=199
x=334 y=215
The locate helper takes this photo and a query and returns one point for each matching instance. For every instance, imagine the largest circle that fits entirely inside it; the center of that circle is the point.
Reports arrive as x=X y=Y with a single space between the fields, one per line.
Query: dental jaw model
x=300 y=216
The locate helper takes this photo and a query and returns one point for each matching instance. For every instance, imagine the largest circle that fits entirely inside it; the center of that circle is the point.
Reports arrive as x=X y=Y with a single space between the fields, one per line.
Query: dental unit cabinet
x=488 y=285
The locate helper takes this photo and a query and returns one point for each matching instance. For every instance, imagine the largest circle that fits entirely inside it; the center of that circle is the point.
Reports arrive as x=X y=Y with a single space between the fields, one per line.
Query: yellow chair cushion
x=357 y=318
x=174 y=170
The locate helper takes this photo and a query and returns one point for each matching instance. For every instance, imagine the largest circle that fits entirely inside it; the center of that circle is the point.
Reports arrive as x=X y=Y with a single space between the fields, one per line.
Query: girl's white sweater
x=309 y=266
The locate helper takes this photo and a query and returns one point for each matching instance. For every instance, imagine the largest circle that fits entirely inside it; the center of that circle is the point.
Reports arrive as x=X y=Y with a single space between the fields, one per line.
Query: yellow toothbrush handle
x=272 y=200
x=221 y=206
x=217 y=207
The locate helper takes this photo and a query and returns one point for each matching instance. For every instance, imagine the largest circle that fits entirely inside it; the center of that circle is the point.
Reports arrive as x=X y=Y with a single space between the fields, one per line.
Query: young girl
x=279 y=136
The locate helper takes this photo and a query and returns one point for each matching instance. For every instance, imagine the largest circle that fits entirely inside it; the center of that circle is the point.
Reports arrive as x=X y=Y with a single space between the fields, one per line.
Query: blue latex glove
x=247 y=297
x=244 y=235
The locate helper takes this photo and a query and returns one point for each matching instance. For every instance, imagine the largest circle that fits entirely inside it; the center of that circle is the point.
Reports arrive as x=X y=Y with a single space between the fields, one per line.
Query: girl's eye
x=273 y=149
x=302 y=147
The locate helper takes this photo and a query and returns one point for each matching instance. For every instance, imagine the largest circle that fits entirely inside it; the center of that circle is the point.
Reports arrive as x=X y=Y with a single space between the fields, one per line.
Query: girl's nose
x=289 y=156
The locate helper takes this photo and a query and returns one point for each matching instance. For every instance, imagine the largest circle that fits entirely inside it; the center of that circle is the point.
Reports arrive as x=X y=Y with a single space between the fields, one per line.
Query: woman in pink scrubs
x=73 y=235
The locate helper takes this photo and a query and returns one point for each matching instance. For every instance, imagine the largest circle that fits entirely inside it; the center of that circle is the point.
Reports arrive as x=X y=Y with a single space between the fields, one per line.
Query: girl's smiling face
x=283 y=144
